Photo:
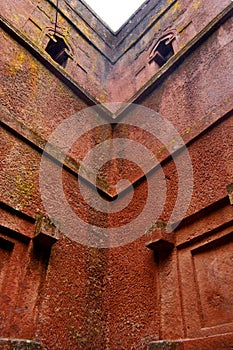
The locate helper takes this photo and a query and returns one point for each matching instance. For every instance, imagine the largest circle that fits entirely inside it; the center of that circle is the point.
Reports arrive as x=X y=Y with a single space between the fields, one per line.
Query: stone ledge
x=46 y=231
x=161 y=241
x=217 y=342
x=19 y=344
x=166 y=345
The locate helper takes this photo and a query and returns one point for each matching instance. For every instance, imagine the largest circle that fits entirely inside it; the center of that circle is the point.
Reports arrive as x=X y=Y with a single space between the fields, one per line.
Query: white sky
x=114 y=12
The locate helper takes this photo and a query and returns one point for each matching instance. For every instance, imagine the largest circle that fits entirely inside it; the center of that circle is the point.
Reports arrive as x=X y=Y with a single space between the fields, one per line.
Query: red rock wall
x=71 y=296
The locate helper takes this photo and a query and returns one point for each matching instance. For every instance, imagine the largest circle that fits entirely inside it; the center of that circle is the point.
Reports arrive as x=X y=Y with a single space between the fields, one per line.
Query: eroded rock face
x=71 y=296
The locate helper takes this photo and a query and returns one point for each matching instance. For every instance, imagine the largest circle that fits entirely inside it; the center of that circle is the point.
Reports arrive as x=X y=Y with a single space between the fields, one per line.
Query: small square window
x=58 y=50
x=163 y=50
x=163 y=53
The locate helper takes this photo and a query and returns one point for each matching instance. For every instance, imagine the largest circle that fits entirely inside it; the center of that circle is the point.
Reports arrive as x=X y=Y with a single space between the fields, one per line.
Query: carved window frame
x=156 y=55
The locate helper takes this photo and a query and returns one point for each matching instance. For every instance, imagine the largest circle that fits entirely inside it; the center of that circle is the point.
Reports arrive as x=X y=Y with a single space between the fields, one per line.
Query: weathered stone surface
x=46 y=231
x=72 y=296
x=161 y=242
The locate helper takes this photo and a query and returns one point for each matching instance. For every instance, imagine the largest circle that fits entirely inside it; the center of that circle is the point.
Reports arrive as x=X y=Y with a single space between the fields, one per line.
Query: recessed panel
x=206 y=283
x=213 y=268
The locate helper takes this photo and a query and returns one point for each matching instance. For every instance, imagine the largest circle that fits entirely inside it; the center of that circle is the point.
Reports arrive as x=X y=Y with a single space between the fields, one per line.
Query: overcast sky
x=114 y=12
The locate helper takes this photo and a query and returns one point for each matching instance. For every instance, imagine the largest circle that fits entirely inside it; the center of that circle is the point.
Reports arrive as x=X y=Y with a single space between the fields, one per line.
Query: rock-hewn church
x=116 y=177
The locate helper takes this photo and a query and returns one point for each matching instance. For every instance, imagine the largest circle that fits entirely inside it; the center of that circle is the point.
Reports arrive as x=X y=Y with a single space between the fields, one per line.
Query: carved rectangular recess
x=213 y=269
x=33 y=29
x=206 y=284
x=22 y=272
x=6 y=248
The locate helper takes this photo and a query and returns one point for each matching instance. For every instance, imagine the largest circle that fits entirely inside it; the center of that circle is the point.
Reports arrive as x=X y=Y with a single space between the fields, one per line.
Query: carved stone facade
x=171 y=286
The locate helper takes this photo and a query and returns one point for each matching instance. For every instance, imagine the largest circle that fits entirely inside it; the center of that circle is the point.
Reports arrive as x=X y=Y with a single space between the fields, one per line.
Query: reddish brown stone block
x=205 y=272
x=46 y=231
x=121 y=298
x=214 y=274
x=160 y=240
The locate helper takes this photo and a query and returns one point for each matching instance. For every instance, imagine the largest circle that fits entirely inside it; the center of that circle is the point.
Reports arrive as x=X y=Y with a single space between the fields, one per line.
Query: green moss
x=157 y=224
x=24 y=189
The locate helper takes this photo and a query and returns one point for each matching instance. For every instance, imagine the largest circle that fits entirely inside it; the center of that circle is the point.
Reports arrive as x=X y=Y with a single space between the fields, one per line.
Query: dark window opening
x=163 y=53
x=162 y=50
x=58 y=50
